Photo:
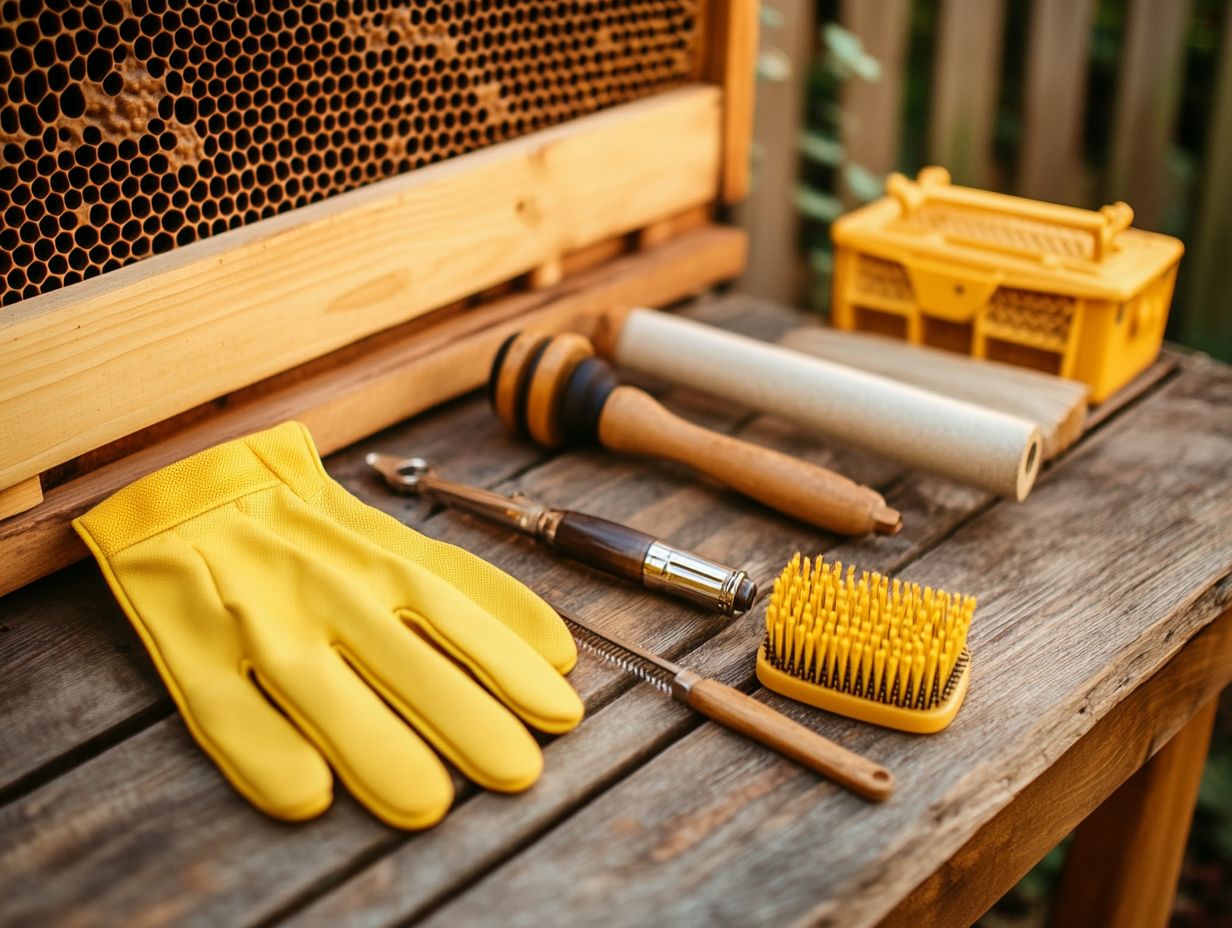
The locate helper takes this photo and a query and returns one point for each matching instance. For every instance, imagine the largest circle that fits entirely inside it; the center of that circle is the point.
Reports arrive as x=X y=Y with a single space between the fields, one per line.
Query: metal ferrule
x=694 y=578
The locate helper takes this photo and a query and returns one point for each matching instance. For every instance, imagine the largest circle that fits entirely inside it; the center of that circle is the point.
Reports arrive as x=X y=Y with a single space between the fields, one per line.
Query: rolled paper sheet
x=919 y=429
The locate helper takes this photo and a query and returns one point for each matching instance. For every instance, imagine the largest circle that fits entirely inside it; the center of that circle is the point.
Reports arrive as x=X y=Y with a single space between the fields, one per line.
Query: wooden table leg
x=1089 y=774
x=1123 y=867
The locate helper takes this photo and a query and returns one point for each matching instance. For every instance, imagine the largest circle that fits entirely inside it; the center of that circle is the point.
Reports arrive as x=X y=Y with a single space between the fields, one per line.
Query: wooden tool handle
x=922 y=430
x=733 y=709
x=608 y=546
x=633 y=421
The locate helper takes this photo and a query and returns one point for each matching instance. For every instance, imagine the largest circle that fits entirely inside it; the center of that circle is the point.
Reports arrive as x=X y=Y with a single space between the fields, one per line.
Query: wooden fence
x=971 y=45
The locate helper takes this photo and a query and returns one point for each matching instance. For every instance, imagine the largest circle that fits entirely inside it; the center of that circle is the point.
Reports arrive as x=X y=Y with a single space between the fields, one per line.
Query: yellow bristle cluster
x=889 y=641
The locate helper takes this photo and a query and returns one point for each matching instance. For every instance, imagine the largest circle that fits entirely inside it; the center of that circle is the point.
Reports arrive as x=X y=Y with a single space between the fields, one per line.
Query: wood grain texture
x=741 y=713
x=1148 y=99
x=1050 y=807
x=732 y=51
x=873 y=110
x=1056 y=405
x=90 y=363
x=71 y=670
x=1135 y=841
x=1058 y=642
x=768 y=213
x=966 y=79
x=1058 y=58
x=642 y=800
x=397 y=886
x=21 y=496
x=369 y=390
x=633 y=422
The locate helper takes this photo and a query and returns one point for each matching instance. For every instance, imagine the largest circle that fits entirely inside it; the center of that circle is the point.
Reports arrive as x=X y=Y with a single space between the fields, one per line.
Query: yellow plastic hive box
x=1068 y=291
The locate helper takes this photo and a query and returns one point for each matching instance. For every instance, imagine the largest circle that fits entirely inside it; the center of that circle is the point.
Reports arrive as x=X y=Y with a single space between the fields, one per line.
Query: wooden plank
x=873 y=110
x=661 y=230
x=21 y=496
x=219 y=862
x=715 y=829
x=73 y=673
x=659 y=498
x=370 y=391
x=409 y=882
x=732 y=53
x=1148 y=98
x=1207 y=274
x=662 y=499
x=1057 y=405
x=966 y=79
x=87 y=364
x=1125 y=862
x=1006 y=848
x=1055 y=99
x=768 y=214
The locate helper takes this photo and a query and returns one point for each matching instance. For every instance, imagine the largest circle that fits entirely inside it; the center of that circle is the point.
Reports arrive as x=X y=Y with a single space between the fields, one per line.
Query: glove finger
x=451 y=617
x=262 y=754
x=382 y=762
x=502 y=661
x=284 y=600
x=503 y=597
x=194 y=645
x=446 y=706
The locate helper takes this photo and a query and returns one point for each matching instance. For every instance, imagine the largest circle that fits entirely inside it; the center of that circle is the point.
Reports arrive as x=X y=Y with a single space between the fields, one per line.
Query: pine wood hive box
x=220 y=216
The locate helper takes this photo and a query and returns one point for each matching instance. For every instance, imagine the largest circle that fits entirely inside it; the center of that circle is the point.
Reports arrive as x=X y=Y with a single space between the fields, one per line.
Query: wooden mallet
x=553 y=390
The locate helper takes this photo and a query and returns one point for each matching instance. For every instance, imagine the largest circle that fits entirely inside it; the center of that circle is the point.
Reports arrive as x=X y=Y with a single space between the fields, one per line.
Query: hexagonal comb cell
x=128 y=127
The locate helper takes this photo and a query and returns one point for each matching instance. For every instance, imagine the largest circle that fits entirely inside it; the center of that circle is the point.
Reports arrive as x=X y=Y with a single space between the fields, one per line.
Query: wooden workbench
x=1103 y=629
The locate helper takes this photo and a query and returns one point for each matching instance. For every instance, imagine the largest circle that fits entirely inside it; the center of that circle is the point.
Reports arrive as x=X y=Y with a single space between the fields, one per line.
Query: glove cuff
x=184 y=490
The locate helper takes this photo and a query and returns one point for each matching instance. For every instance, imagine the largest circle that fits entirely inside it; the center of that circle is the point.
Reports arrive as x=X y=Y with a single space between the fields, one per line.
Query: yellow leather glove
x=256 y=581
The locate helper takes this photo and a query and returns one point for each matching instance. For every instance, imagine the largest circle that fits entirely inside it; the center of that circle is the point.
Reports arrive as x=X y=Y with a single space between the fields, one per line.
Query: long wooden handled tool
x=733 y=709
x=617 y=549
x=968 y=443
x=552 y=390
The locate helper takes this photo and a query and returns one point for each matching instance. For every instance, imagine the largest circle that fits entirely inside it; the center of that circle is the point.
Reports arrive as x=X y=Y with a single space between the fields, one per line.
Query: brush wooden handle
x=757 y=721
x=633 y=421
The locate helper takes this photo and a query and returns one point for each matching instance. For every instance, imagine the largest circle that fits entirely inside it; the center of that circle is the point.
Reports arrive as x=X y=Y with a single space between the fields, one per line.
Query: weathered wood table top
x=645 y=815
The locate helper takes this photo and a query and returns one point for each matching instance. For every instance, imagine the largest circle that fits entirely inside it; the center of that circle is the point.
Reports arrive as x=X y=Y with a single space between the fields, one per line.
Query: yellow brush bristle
x=898 y=644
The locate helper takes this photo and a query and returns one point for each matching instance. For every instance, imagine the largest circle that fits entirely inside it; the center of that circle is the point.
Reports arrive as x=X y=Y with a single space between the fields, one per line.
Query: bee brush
x=741 y=713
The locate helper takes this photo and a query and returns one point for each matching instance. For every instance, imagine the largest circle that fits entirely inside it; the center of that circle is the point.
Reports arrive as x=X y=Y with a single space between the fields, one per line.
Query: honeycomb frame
x=132 y=127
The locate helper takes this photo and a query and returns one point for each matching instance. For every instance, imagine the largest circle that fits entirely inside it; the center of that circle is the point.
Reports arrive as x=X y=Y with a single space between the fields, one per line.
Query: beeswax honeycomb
x=128 y=127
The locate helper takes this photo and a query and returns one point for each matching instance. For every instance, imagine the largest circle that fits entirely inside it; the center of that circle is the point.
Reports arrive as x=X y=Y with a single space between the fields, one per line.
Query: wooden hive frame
x=372 y=305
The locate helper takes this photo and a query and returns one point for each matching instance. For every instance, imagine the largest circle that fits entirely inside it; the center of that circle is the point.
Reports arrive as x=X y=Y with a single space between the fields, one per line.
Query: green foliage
x=824 y=149
x=1215 y=802
x=816 y=205
x=846 y=56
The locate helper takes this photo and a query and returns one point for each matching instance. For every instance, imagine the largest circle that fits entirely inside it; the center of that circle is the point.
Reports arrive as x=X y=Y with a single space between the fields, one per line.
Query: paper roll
x=966 y=443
